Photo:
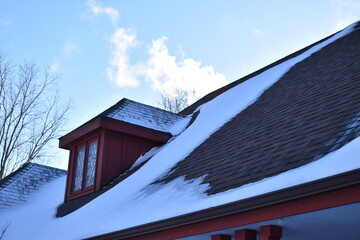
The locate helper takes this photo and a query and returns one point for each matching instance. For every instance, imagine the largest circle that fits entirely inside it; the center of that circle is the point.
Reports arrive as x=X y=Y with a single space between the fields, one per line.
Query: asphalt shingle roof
x=311 y=111
x=16 y=188
x=142 y=115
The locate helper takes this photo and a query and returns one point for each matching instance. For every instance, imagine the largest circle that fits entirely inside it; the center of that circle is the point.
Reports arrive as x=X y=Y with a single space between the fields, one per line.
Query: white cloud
x=167 y=74
x=161 y=70
x=69 y=47
x=97 y=9
x=345 y=12
x=164 y=72
x=119 y=71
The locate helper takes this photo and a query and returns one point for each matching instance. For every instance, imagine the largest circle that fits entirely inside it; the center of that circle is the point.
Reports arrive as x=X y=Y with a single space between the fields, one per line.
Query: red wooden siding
x=121 y=151
x=220 y=237
x=270 y=232
x=119 y=146
x=245 y=234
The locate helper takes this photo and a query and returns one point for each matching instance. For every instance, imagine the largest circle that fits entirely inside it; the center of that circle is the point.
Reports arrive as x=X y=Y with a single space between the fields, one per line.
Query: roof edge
x=104 y=113
x=108 y=123
x=14 y=173
x=323 y=185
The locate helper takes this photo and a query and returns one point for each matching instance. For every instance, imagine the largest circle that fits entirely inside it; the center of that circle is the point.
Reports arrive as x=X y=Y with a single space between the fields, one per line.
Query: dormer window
x=107 y=145
x=86 y=156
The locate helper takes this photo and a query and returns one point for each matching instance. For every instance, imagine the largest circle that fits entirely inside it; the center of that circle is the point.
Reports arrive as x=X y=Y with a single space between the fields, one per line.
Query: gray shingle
x=142 y=115
x=311 y=111
x=16 y=188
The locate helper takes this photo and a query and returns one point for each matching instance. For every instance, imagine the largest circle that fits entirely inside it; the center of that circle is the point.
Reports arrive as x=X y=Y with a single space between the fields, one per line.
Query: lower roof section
x=326 y=193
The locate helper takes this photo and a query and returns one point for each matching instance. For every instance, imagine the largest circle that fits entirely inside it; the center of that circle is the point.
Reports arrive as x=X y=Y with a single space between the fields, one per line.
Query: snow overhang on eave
x=106 y=123
x=348 y=180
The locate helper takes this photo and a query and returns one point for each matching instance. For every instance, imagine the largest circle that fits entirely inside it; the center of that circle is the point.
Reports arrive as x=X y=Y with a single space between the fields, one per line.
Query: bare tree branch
x=30 y=114
x=174 y=101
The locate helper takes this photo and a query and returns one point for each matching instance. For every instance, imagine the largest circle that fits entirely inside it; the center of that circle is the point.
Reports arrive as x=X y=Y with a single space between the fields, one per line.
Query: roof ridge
x=110 y=109
x=127 y=101
x=147 y=105
x=48 y=167
x=27 y=166
x=11 y=175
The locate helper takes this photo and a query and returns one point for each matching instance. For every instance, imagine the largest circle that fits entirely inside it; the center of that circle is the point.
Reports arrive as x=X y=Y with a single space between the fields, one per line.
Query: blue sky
x=107 y=50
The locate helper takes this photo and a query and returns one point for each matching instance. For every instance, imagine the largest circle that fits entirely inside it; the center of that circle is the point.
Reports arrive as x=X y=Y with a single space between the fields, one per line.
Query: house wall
x=117 y=151
x=120 y=152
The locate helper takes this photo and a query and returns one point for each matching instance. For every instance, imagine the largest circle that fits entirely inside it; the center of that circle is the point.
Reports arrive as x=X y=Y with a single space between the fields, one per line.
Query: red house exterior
x=117 y=146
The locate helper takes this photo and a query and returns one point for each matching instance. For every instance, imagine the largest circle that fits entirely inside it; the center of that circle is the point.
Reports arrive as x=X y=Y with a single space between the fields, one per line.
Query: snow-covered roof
x=292 y=123
x=143 y=115
x=311 y=107
x=17 y=188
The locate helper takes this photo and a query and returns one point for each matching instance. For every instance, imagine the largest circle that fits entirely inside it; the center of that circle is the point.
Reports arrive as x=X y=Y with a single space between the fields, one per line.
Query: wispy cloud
x=345 y=12
x=69 y=47
x=119 y=71
x=97 y=9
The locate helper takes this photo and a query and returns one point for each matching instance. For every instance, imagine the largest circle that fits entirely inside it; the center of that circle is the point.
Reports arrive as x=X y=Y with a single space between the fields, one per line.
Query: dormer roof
x=132 y=118
x=142 y=115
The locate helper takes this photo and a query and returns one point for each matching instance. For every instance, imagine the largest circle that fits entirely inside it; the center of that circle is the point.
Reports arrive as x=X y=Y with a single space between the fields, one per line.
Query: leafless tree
x=30 y=115
x=174 y=101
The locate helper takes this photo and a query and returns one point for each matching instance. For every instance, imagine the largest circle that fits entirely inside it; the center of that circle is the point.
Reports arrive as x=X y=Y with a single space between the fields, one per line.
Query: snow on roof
x=16 y=188
x=143 y=115
x=310 y=111
x=138 y=201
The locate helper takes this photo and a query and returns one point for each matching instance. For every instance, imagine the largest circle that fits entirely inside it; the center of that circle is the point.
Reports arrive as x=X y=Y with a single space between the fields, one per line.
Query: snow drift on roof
x=17 y=188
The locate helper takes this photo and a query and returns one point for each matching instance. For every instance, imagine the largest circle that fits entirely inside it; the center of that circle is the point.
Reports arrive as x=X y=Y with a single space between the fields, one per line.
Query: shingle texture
x=142 y=115
x=16 y=188
x=311 y=111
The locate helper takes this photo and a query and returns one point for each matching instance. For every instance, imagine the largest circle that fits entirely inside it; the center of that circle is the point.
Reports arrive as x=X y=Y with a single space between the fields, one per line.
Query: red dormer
x=110 y=143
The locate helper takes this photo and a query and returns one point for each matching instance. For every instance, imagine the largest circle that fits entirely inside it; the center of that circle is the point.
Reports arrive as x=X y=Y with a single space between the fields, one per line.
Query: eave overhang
x=107 y=123
x=324 y=193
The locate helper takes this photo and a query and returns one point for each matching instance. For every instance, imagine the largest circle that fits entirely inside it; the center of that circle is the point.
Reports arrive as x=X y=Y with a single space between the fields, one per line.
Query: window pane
x=90 y=173
x=79 y=168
